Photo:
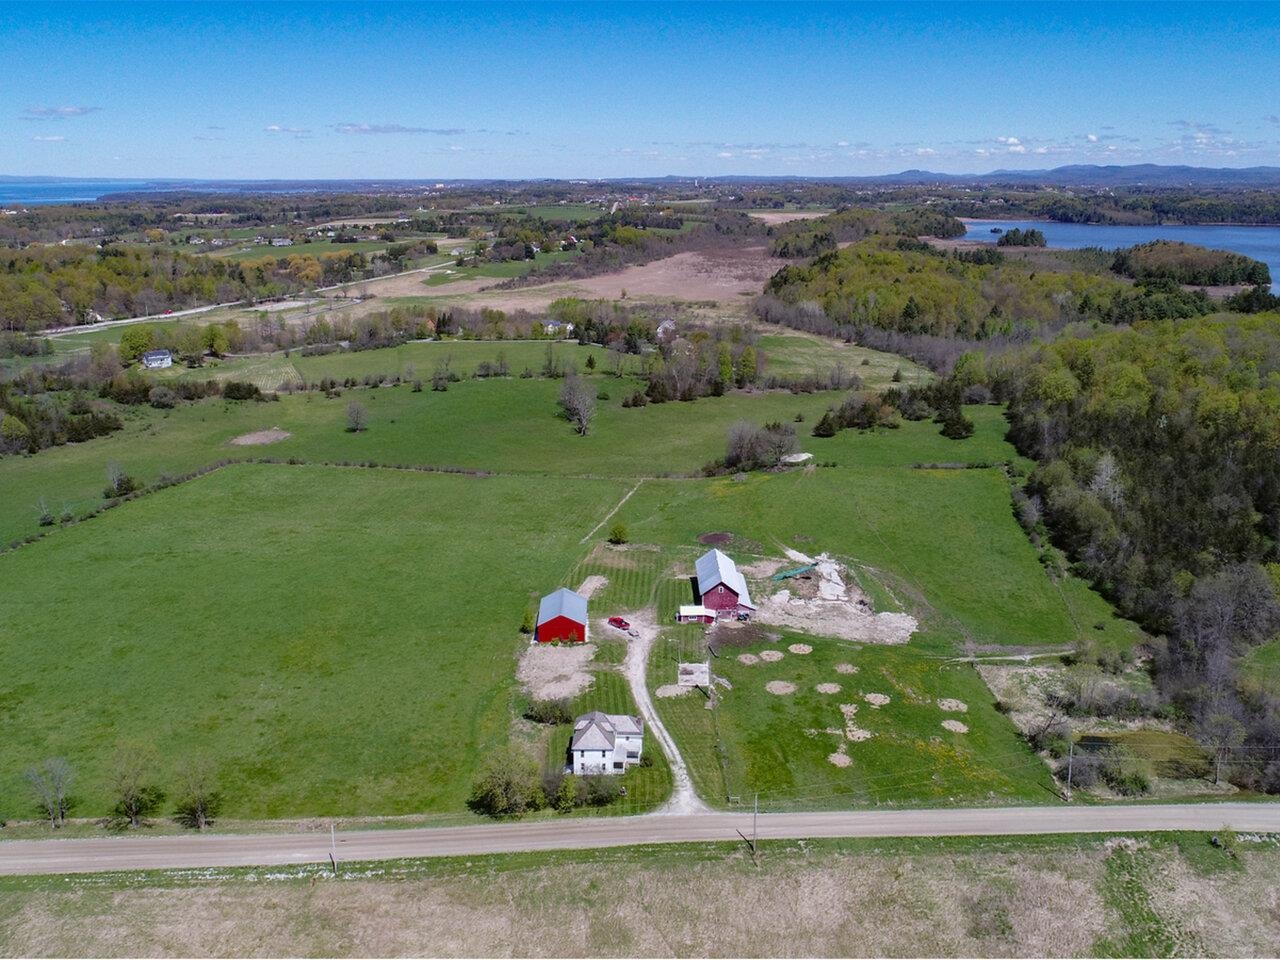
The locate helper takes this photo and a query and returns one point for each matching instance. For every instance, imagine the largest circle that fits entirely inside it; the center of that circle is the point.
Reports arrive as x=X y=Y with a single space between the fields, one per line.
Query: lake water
x=1260 y=243
x=30 y=193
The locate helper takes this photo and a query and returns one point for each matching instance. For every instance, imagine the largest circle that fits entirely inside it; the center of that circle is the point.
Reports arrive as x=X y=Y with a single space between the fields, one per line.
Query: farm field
x=798 y=355
x=509 y=426
x=1149 y=895
x=294 y=614
x=315 y=632
x=831 y=737
x=501 y=271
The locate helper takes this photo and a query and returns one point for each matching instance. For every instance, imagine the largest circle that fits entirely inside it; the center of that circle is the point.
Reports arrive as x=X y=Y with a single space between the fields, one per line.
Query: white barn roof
x=714 y=568
x=563 y=603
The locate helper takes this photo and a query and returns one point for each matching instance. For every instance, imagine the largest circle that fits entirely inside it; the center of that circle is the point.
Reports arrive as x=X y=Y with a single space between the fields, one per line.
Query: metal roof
x=599 y=731
x=714 y=568
x=563 y=603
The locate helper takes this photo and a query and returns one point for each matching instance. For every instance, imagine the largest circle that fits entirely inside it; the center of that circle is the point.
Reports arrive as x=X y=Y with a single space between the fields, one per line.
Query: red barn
x=562 y=616
x=721 y=587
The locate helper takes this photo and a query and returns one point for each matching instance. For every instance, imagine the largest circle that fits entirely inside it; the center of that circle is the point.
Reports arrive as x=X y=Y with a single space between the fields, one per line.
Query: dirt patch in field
x=828 y=606
x=780 y=688
x=800 y=649
x=592 y=585
x=841 y=757
x=748 y=659
x=761 y=569
x=260 y=438
x=852 y=732
x=953 y=706
x=786 y=216
x=669 y=691
x=955 y=726
x=828 y=688
x=876 y=700
x=622 y=556
x=715 y=539
x=555 y=673
x=846 y=668
x=771 y=656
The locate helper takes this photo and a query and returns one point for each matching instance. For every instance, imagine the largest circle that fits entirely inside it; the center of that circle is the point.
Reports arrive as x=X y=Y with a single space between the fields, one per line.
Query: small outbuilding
x=721 y=587
x=605 y=743
x=695 y=613
x=562 y=616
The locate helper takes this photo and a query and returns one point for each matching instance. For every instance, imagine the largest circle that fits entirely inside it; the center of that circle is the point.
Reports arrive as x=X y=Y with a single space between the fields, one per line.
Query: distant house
x=605 y=743
x=558 y=328
x=281 y=242
x=562 y=616
x=666 y=330
x=721 y=587
x=695 y=613
x=157 y=359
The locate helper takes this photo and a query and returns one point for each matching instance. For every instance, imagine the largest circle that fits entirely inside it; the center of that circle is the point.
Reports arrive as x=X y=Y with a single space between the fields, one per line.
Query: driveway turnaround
x=231 y=850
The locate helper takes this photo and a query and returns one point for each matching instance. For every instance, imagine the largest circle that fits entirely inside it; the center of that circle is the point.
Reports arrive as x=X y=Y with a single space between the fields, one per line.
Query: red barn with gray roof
x=721 y=587
x=562 y=616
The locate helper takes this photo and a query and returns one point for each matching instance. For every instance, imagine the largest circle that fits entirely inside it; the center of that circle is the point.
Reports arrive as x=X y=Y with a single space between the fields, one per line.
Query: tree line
x=1158 y=472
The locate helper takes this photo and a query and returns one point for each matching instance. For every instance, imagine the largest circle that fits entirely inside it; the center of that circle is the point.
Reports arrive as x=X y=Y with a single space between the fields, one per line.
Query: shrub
x=357 y=417
x=597 y=791
x=618 y=533
x=508 y=786
x=549 y=711
x=162 y=398
x=239 y=390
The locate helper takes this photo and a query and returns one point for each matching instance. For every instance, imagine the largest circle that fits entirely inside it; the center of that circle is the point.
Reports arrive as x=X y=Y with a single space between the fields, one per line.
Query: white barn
x=605 y=743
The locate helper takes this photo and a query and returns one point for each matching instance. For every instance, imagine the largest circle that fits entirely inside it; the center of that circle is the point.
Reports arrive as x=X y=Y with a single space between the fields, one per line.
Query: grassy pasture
x=339 y=641
x=463 y=356
x=779 y=746
x=501 y=270
x=795 y=355
x=509 y=426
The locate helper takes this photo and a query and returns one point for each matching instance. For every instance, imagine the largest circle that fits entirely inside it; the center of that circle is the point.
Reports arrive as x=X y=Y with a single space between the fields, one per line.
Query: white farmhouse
x=157 y=359
x=605 y=743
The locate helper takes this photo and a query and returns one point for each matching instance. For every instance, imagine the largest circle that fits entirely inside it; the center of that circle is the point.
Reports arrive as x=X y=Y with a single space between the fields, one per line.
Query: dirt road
x=157 y=853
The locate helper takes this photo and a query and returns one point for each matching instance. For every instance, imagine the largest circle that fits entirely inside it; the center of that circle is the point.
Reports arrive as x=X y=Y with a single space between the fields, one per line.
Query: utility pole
x=1217 y=771
x=333 y=848
x=755 y=834
x=1071 y=756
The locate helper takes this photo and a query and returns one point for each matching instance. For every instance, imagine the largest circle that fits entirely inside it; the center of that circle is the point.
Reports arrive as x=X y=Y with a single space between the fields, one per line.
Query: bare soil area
x=592 y=584
x=786 y=216
x=260 y=438
x=826 y=605
x=554 y=673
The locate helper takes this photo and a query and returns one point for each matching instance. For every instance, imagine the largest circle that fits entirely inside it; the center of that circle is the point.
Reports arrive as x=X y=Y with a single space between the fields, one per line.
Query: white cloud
x=1009 y=141
x=277 y=128
x=56 y=113
x=48 y=139
x=396 y=128
x=925 y=151
x=1091 y=137
x=725 y=155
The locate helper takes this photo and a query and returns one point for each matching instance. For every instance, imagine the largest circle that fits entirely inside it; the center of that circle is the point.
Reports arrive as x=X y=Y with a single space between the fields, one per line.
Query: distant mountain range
x=1077 y=175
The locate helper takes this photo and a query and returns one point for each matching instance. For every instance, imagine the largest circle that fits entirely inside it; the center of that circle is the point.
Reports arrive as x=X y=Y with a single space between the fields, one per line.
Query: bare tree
x=357 y=417
x=136 y=798
x=50 y=783
x=200 y=798
x=578 y=401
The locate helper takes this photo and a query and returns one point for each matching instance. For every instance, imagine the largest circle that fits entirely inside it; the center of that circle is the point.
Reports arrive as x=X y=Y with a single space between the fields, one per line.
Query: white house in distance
x=157 y=359
x=605 y=743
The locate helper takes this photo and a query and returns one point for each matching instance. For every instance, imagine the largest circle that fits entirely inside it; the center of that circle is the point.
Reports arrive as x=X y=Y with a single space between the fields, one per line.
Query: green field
x=509 y=425
x=780 y=746
x=501 y=270
x=337 y=641
x=255 y=615
x=798 y=355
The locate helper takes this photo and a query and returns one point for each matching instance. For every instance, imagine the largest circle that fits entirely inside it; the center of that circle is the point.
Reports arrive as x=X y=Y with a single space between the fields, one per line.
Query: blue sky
x=388 y=90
